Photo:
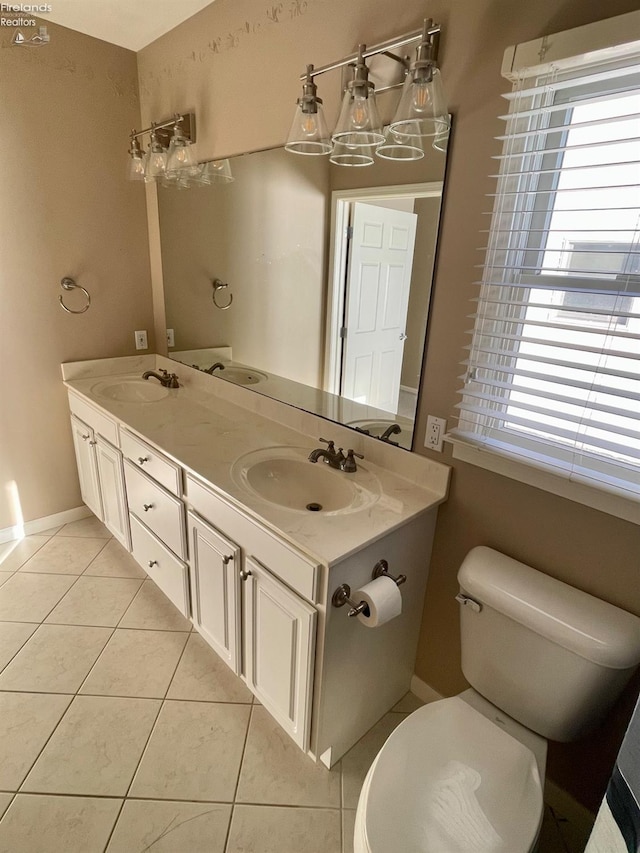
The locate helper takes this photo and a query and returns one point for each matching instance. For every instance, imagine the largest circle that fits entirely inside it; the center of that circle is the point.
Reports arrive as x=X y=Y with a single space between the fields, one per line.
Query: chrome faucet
x=217 y=366
x=394 y=429
x=167 y=380
x=331 y=456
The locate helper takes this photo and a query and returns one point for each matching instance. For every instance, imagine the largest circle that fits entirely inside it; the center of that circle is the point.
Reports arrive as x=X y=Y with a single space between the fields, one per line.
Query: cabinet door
x=215 y=590
x=114 y=504
x=84 y=441
x=279 y=634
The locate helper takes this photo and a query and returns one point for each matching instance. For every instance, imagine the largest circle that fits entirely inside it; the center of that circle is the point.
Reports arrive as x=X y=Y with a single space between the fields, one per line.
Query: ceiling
x=129 y=23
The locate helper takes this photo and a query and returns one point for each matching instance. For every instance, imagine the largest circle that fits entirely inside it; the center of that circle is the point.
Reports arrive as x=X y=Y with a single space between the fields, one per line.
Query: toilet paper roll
x=384 y=600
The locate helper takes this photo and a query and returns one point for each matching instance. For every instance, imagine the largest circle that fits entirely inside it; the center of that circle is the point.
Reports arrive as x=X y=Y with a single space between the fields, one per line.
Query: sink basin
x=130 y=390
x=241 y=375
x=285 y=477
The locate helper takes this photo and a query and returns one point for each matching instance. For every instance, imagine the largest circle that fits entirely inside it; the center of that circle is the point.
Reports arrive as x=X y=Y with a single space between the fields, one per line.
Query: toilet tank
x=549 y=655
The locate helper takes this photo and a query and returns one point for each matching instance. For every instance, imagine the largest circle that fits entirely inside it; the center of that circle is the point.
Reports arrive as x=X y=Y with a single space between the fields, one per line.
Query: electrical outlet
x=141 y=339
x=436 y=428
x=170 y=338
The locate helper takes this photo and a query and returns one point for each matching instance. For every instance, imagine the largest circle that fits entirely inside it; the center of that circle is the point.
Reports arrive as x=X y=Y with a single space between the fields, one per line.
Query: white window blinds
x=553 y=370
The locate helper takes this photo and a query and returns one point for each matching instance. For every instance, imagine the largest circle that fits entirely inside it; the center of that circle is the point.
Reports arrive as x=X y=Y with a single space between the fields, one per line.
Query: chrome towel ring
x=69 y=284
x=218 y=284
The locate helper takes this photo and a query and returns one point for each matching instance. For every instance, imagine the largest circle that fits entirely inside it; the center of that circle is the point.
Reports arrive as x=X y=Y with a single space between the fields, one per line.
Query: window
x=553 y=373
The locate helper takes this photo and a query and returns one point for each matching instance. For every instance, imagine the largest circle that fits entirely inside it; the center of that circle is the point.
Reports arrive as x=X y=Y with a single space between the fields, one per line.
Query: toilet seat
x=448 y=780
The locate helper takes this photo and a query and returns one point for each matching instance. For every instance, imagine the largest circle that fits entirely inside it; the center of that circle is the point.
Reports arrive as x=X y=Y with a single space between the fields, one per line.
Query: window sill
x=541 y=478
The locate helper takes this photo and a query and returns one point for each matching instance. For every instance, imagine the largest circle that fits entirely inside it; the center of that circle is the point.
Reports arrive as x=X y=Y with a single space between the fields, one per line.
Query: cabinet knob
x=147 y=507
x=143 y=459
x=152 y=563
x=93 y=443
x=244 y=574
x=226 y=560
x=86 y=437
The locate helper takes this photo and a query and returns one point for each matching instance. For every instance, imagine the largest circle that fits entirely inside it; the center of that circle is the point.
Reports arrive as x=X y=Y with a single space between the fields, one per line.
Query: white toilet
x=466 y=775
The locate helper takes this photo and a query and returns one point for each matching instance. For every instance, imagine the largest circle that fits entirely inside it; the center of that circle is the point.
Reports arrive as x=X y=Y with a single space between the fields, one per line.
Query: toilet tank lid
x=581 y=623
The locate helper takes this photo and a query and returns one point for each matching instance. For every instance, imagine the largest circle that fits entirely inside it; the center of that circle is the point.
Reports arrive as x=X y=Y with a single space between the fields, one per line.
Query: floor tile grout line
x=237 y=785
x=91 y=668
x=175 y=669
x=14 y=656
x=129 y=696
x=34 y=553
x=44 y=746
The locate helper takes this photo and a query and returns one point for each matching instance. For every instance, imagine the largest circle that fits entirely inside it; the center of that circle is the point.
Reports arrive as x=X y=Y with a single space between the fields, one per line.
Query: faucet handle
x=331 y=448
x=349 y=463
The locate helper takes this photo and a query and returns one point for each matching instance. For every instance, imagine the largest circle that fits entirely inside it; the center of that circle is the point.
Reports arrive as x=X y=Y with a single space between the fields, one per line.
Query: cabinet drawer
x=169 y=573
x=152 y=462
x=95 y=419
x=296 y=569
x=161 y=512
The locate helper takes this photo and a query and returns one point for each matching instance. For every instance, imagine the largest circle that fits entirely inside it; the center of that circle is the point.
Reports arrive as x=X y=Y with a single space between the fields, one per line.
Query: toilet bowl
x=450 y=779
x=466 y=775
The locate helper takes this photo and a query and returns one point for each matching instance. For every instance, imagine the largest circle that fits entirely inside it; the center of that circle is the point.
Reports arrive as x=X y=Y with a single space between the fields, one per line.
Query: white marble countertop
x=206 y=434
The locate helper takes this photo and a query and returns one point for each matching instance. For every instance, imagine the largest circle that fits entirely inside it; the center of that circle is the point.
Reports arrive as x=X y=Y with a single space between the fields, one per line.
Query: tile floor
x=122 y=732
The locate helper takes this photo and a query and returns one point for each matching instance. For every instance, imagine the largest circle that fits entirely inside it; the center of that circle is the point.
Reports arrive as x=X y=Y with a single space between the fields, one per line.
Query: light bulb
x=359 y=112
x=421 y=99
x=309 y=124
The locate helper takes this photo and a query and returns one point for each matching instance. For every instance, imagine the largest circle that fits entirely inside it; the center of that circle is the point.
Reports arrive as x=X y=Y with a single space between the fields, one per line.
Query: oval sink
x=241 y=375
x=285 y=477
x=131 y=390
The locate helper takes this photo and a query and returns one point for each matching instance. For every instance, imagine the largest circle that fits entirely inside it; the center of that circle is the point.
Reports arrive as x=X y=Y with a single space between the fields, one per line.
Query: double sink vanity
x=211 y=489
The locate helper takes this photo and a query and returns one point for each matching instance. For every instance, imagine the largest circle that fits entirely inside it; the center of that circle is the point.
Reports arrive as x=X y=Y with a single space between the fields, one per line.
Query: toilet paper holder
x=342 y=595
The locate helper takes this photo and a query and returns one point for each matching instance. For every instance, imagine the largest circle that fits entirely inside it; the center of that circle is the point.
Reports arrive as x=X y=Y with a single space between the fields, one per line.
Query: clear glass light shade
x=359 y=123
x=309 y=133
x=422 y=110
x=156 y=163
x=401 y=148
x=352 y=155
x=441 y=139
x=180 y=157
x=136 y=166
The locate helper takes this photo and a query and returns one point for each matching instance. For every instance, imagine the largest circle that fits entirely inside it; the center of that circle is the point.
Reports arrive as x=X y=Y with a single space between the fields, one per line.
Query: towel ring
x=69 y=284
x=218 y=284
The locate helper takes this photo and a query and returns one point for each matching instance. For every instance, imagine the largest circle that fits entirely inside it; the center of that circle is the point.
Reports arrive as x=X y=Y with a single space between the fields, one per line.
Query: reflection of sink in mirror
x=130 y=390
x=241 y=375
x=285 y=476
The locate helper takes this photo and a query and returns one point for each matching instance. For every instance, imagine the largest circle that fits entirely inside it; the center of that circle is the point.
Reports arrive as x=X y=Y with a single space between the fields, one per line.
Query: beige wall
x=234 y=47
x=66 y=209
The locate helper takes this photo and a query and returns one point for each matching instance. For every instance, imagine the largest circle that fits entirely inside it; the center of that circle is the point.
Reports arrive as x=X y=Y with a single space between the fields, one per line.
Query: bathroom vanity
x=208 y=484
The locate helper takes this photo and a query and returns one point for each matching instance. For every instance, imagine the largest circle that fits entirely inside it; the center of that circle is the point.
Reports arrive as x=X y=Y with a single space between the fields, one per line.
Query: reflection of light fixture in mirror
x=422 y=110
x=359 y=123
x=309 y=134
x=352 y=155
x=215 y=172
x=399 y=148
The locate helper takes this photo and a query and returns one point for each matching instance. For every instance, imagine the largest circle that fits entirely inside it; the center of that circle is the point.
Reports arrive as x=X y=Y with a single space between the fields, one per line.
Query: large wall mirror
x=308 y=282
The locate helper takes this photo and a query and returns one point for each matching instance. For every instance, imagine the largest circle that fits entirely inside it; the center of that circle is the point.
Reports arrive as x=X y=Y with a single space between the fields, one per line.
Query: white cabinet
x=84 y=441
x=279 y=637
x=162 y=566
x=101 y=479
x=215 y=590
x=114 y=506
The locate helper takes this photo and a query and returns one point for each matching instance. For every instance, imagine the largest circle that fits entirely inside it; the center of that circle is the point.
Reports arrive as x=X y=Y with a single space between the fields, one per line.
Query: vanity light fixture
x=358 y=136
x=170 y=158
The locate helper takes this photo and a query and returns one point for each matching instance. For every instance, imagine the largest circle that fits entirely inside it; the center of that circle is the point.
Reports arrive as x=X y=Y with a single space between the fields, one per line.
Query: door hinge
x=349 y=232
x=343 y=332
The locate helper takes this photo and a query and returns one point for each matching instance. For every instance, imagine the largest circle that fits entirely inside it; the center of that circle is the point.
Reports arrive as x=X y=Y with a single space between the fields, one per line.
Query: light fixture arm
x=430 y=31
x=186 y=122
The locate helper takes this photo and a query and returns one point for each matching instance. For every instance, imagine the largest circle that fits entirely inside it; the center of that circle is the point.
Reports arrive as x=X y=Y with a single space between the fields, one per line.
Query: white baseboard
x=19 y=531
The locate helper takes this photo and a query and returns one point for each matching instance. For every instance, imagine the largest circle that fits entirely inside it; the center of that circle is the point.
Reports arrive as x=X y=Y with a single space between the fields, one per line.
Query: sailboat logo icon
x=18 y=38
x=41 y=37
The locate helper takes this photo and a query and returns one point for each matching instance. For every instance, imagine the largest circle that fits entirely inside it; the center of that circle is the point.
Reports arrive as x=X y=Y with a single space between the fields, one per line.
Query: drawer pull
x=226 y=560
x=147 y=507
x=143 y=459
x=152 y=563
x=244 y=574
